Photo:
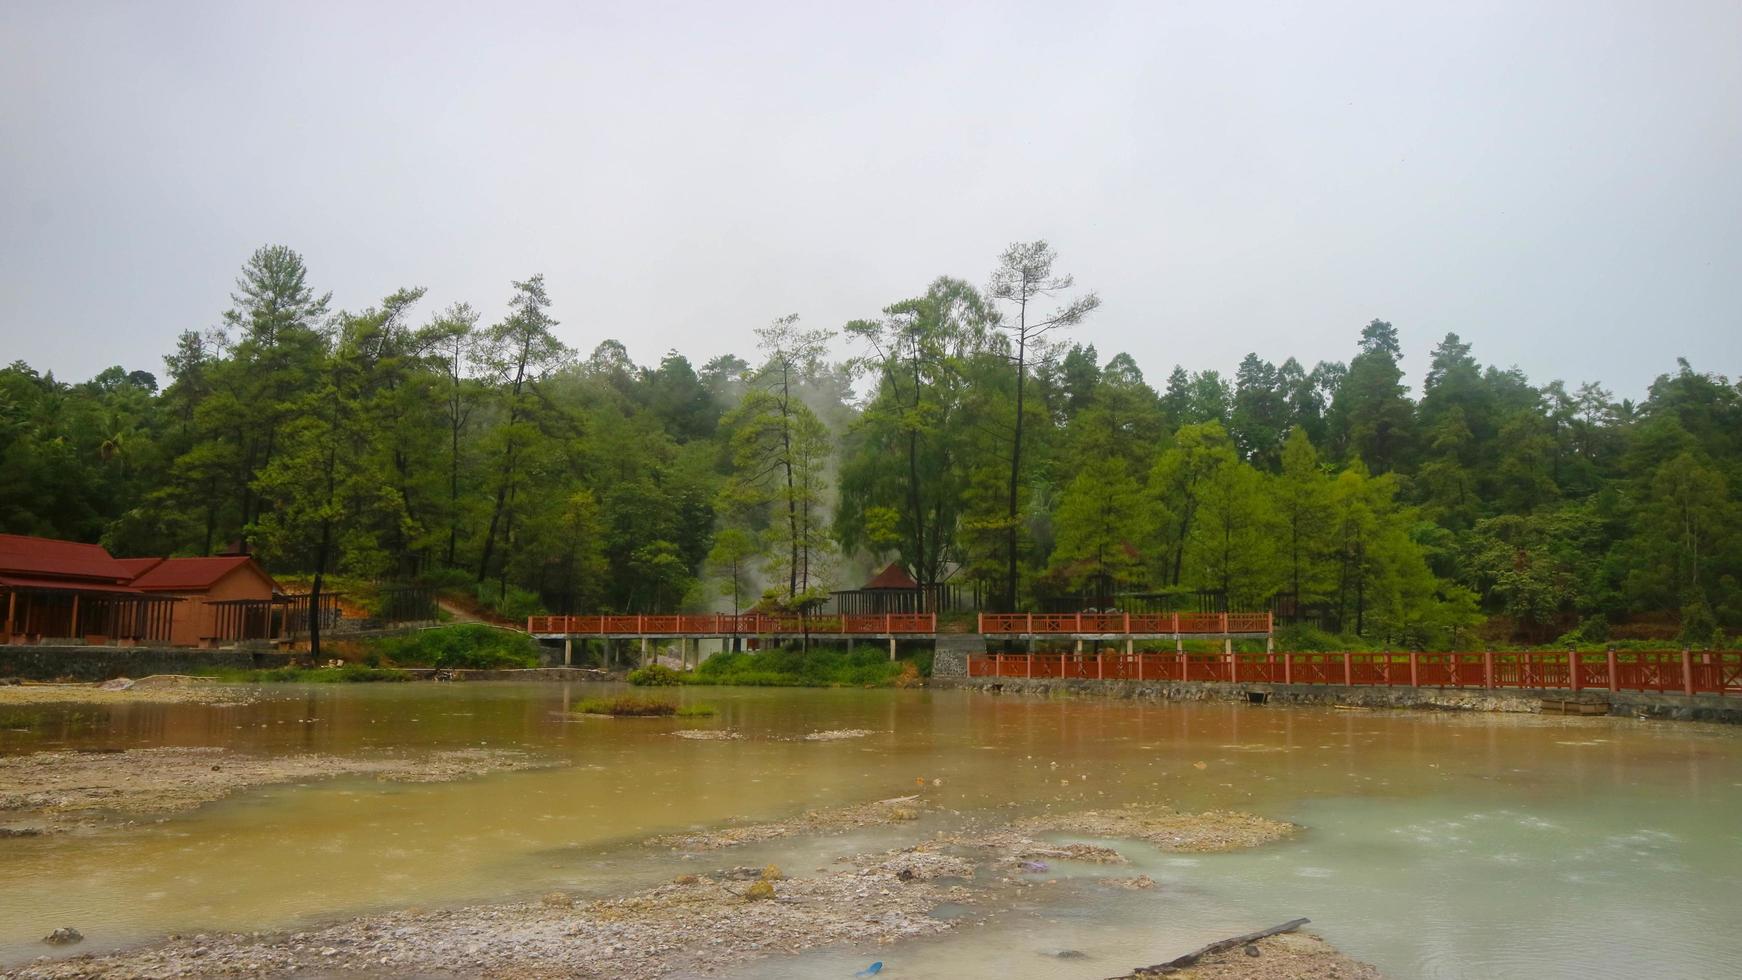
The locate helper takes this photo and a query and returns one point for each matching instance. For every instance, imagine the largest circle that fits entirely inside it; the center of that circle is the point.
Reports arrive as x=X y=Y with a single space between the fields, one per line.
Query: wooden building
x=67 y=591
x=210 y=589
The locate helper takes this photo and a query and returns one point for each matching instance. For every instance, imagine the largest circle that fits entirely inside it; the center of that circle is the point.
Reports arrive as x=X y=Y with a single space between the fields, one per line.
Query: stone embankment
x=1627 y=704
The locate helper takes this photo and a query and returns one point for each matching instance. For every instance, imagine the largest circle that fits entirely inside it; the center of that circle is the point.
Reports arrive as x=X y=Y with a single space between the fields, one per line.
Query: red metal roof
x=193 y=574
x=33 y=557
x=893 y=577
x=65 y=585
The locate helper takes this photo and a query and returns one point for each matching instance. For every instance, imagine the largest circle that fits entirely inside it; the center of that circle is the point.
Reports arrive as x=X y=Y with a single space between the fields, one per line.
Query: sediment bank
x=66 y=791
x=706 y=922
x=1626 y=704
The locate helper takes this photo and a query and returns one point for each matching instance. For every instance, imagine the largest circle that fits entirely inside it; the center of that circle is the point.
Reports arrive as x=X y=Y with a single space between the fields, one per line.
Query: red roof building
x=65 y=590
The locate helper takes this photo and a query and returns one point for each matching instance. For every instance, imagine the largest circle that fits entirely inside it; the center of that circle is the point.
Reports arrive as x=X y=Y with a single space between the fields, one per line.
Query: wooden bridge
x=1128 y=625
x=725 y=625
x=1666 y=671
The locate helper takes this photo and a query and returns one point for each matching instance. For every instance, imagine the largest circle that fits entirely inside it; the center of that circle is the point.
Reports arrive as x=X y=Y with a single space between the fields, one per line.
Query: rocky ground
x=1291 y=956
x=57 y=792
x=811 y=822
x=1167 y=828
x=704 y=923
x=156 y=689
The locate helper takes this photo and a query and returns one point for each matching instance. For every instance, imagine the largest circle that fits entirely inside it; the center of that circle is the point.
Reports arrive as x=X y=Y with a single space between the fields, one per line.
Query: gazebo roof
x=893 y=577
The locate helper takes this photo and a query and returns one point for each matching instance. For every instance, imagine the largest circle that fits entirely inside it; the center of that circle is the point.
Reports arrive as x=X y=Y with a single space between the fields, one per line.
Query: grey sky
x=1557 y=182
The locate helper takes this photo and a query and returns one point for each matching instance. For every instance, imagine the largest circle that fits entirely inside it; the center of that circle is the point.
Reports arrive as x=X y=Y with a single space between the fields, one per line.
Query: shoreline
x=1711 y=708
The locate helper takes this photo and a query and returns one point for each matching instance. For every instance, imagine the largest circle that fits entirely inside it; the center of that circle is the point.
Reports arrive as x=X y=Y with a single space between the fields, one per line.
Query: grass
x=630 y=706
x=348 y=674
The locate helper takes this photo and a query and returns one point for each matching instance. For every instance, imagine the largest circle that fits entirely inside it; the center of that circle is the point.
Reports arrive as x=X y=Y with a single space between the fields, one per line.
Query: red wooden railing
x=1031 y=624
x=722 y=624
x=1667 y=671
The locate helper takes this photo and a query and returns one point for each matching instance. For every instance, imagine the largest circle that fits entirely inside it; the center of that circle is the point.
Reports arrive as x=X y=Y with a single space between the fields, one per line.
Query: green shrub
x=655 y=675
x=471 y=646
x=695 y=711
x=515 y=604
x=626 y=706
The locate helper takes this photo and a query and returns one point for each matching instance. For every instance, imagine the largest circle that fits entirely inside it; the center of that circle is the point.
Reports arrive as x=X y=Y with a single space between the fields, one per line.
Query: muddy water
x=1438 y=845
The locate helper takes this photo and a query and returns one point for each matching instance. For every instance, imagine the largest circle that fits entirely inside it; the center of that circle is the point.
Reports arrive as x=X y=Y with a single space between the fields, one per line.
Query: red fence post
x=1613 y=682
x=1573 y=670
x=1414 y=669
x=1030 y=664
x=1100 y=666
x=1287 y=668
x=1488 y=670
x=1348 y=670
x=1687 y=672
x=1031 y=624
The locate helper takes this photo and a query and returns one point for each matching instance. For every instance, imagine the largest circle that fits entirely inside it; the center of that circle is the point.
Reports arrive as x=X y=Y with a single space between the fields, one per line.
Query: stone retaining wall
x=1677 y=707
x=90 y=663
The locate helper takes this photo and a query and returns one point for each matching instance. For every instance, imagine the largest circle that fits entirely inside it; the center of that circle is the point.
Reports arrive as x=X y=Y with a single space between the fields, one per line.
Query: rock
x=118 y=684
x=1252 y=951
x=64 y=936
x=1067 y=954
x=557 y=900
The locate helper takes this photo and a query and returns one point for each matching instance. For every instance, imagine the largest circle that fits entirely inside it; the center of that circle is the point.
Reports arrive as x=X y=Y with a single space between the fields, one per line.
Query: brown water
x=1439 y=845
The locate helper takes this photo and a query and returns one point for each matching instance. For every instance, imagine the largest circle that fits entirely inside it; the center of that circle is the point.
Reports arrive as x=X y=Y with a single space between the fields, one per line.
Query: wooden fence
x=1663 y=671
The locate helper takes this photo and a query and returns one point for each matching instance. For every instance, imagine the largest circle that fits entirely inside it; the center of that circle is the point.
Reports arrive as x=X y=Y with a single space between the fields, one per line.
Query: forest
x=971 y=431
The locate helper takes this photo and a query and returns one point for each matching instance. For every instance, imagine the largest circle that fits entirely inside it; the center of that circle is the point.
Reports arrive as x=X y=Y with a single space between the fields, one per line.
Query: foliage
x=655 y=675
x=480 y=454
x=347 y=674
x=470 y=646
x=626 y=706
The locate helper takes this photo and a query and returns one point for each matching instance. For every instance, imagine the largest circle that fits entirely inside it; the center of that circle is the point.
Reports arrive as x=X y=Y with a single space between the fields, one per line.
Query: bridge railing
x=722 y=624
x=1666 y=671
x=1065 y=624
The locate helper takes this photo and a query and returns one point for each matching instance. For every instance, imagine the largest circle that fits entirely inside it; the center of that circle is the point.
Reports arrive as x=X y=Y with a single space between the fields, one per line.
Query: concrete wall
x=1676 y=707
x=46 y=663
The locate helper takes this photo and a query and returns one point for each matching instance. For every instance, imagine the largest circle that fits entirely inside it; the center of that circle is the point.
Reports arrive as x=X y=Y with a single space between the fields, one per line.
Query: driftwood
x=1220 y=946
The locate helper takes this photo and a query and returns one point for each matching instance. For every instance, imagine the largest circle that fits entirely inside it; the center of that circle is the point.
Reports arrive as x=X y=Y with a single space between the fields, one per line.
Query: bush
x=472 y=646
x=1699 y=626
x=515 y=604
x=626 y=707
x=655 y=675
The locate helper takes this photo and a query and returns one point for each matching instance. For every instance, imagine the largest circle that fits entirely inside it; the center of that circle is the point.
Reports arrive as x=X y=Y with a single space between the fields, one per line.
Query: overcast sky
x=1560 y=183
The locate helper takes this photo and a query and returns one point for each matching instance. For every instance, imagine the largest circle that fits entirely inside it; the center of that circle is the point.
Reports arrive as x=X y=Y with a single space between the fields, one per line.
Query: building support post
x=643 y=649
x=892 y=648
x=568 y=651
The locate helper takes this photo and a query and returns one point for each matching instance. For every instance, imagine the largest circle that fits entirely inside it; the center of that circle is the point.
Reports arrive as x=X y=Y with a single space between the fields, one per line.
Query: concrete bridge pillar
x=568 y=651
x=892 y=647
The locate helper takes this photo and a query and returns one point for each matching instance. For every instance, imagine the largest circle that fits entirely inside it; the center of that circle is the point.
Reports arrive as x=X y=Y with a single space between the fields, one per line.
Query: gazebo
x=892 y=590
